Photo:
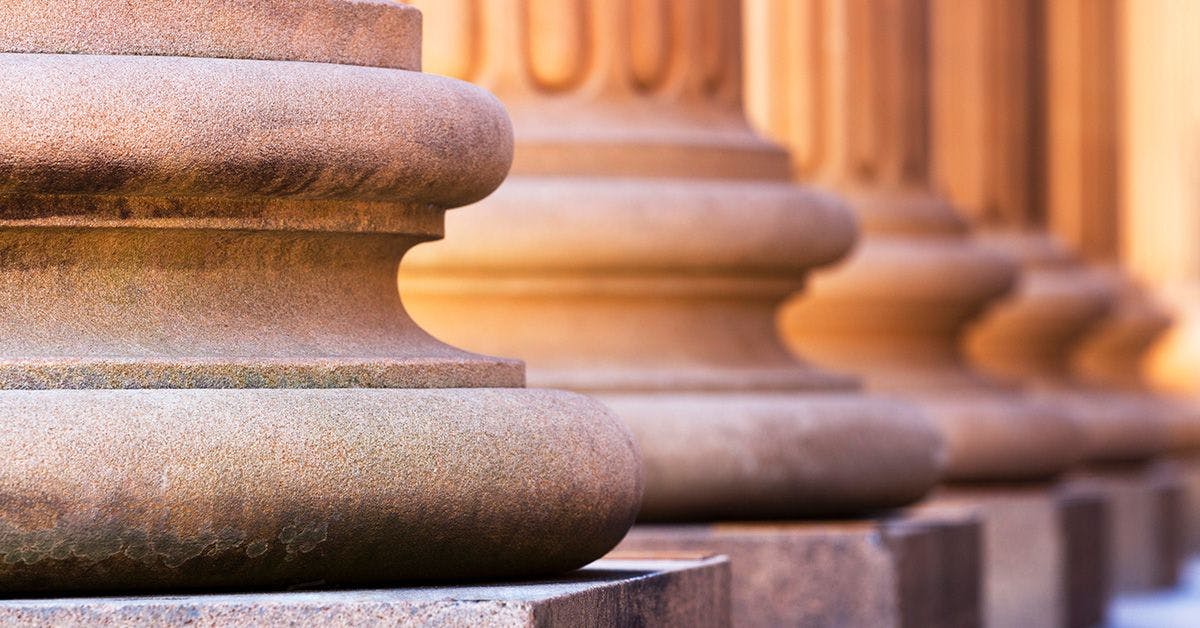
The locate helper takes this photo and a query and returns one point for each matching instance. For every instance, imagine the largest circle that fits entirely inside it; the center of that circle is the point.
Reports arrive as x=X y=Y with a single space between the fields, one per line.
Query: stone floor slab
x=900 y=571
x=663 y=591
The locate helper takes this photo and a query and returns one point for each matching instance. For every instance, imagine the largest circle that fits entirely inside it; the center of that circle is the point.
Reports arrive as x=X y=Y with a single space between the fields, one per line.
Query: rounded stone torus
x=1034 y=334
x=895 y=313
x=1113 y=354
x=639 y=254
x=207 y=377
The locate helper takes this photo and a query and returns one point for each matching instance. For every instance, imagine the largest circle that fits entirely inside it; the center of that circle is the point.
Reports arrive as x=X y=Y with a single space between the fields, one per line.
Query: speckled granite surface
x=646 y=592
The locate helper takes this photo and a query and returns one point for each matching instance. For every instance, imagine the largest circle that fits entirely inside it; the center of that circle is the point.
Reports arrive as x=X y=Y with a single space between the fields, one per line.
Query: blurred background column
x=1158 y=169
x=846 y=84
x=639 y=252
x=1001 y=125
x=1155 y=218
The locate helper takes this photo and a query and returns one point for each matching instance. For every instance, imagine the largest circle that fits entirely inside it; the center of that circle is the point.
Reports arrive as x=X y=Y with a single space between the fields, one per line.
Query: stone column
x=1159 y=115
x=856 y=111
x=208 y=379
x=639 y=253
x=1092 y=56
x=1020 y=63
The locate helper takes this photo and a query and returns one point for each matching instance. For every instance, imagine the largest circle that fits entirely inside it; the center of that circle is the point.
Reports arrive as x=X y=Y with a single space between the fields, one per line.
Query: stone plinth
x=647 y=592
x=1088 y=561
x=1145 y=529
x=1046 y=559
x=640 y=251
x=906 y=571
x=207 y=378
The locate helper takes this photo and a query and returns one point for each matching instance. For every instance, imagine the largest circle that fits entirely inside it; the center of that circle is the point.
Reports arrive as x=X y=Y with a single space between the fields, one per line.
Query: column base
x=898 y=571
x=684 y=591
x=1032 y=575
x=169 y=490
x=1146 y=503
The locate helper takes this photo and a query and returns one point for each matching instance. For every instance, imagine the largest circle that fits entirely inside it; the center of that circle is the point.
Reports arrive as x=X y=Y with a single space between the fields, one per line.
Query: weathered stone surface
x=161 y=138
x=647 y=592
x=353 y=32
x=221 y=308
x=904 y=572
x=109 y=490
x=205 y=204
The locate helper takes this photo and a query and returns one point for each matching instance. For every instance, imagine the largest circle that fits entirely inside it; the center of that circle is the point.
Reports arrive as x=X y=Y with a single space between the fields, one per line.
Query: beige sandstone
x=657 y=292
x=854 y=106
x=1065 y=311
x=207 y=376
x=908 y=572
x=661 y=590
x=639 y=253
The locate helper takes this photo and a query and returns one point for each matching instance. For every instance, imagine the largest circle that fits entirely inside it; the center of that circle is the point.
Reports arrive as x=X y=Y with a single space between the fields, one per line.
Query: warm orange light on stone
x=640 y=252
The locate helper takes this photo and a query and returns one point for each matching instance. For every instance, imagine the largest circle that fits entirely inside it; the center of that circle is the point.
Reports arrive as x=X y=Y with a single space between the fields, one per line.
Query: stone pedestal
x=639 y=253
x=905 y=571
x=647 y=592
x=207 y=378
x=895 y=310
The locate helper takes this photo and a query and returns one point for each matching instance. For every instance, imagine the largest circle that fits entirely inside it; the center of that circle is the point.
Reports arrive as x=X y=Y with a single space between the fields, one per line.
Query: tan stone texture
x=218 y=239
x=1033 y=335
x=1027 y=534
x=352 y=32
x=110 y=490
x=647 y=592
x=894 y=311
x=903 y=572
x=640 y=251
